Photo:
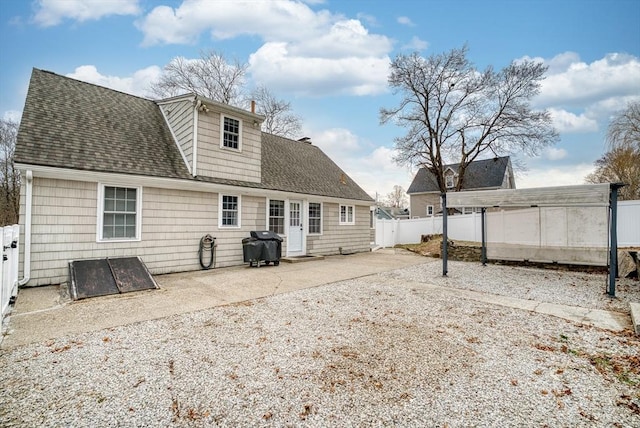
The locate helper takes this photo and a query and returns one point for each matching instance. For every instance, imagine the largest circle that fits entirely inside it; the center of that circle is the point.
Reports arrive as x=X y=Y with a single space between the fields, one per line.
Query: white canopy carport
x=590 y=195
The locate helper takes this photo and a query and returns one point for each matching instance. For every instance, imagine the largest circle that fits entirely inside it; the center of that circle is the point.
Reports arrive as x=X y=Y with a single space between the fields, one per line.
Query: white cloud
x=574 y=82
x=607 y=107
x=284 y=20
x=304 y=51
x=53 y=12
x=567 y=122
x=405 y=20
x=544 y=177
x=273 y=66
x=553 y=154
x=372 y=167
x=12 y=115
x=136 y=84
x=416 y=44
x=336 y=142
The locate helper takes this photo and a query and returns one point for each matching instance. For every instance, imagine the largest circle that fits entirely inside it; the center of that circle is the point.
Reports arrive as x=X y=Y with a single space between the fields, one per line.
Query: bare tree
x=454 y=113
x=9 y=176
x=624 y=129
x=622 y=162
x=620 y=165
x=397 y=198
x=210 y=76
x=278 y=117
x=213 y=77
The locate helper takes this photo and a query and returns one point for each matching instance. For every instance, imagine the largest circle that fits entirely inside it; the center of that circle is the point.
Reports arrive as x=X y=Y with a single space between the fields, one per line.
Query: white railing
x=8 y=266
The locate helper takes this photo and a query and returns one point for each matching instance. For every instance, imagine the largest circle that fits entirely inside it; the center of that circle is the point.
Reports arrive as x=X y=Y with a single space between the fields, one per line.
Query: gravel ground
x=587 y=290
x=365 y=352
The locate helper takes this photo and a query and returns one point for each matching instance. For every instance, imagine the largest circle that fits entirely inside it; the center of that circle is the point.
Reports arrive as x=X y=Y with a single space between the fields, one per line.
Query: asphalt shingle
x=71 y=124
x=481 y=174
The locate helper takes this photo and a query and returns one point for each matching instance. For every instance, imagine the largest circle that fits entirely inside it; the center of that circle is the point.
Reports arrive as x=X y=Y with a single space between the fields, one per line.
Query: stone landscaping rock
x=626 y=264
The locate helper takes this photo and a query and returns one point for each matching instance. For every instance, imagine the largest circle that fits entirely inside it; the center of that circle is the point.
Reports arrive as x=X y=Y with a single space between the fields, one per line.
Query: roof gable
x=73 y=124
x=481 y=174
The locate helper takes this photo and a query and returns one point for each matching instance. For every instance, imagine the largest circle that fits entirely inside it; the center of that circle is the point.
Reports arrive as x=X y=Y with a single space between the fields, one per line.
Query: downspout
x=26 y=270
x=194 y=155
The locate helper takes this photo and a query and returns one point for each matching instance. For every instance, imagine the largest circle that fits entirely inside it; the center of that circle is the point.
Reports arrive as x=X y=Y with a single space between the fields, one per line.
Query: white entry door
x=296 y=229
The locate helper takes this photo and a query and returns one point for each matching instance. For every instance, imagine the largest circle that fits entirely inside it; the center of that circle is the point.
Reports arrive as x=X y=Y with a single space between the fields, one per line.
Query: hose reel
x=207 y=244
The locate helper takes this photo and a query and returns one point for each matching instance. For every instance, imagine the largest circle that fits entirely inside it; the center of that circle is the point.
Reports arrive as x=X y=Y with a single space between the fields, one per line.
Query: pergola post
x=483 y=231
x=613 y=233
x=445 y=238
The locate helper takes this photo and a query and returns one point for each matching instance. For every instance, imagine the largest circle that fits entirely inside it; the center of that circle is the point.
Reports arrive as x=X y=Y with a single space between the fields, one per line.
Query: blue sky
x=330 y=60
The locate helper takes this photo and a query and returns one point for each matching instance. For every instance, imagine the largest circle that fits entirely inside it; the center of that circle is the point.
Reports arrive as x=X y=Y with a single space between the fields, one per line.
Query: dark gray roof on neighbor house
x=480 y=174
x=71 y=124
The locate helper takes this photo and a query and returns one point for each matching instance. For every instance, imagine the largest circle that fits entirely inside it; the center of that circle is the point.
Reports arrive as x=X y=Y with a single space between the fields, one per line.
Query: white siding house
x=108 y=174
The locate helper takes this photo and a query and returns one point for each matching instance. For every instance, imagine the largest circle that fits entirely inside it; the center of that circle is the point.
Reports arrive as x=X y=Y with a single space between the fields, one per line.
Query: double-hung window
x=347 y=215
x=229 y=207
x=429 y=210
x=276 y=216
x=120 y=214
x=231 y=132
x=315 y=218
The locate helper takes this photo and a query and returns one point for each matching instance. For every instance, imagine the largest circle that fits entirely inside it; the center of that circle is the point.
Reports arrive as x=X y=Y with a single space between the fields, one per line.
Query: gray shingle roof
x=72 y=124
x=481 y=174
x=301 y=167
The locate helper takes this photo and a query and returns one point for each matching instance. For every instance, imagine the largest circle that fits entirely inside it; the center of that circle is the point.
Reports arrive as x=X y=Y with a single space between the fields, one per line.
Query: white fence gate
x=567 y=234
x=8 y=266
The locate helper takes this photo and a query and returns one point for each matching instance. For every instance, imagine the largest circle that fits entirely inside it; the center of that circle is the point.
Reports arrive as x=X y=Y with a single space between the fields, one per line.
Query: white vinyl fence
x=8 y=266
x=562 y=234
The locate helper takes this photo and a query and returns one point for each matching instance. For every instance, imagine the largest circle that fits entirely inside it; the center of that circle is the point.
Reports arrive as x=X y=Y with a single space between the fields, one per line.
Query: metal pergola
x=588 y=195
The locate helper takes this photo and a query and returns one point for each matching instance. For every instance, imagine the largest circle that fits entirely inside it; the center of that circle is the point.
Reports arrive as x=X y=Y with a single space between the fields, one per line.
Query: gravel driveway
x=377 y=351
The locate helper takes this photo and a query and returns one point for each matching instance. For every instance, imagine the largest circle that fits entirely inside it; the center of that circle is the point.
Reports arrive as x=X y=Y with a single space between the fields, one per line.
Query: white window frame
x=468 y=210
x=430 y=211
x=222 y=146
x=284 y=214
x=100 y=213
x=309 y=218
x=227 y=226
x=347 y=222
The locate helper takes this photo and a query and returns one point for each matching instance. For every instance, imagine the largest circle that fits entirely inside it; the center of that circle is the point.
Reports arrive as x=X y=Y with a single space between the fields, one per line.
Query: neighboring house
x=390 y=213
x=488 y=174
x=107 y=174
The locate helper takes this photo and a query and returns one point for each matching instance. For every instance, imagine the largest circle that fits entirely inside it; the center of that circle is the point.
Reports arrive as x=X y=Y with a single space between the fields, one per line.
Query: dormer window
x=449 y=181
x=231 y=132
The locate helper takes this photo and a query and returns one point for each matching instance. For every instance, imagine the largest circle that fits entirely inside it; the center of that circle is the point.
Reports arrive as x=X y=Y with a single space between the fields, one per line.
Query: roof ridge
x=495 y=158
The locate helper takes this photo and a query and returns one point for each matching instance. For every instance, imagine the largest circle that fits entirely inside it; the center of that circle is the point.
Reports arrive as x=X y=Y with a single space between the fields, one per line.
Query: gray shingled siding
x=179 y=114
x=334 y=236
x=219 y=162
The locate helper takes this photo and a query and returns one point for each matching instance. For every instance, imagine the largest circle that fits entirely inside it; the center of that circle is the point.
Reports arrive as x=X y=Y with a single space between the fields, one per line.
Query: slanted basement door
x=101 y=277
